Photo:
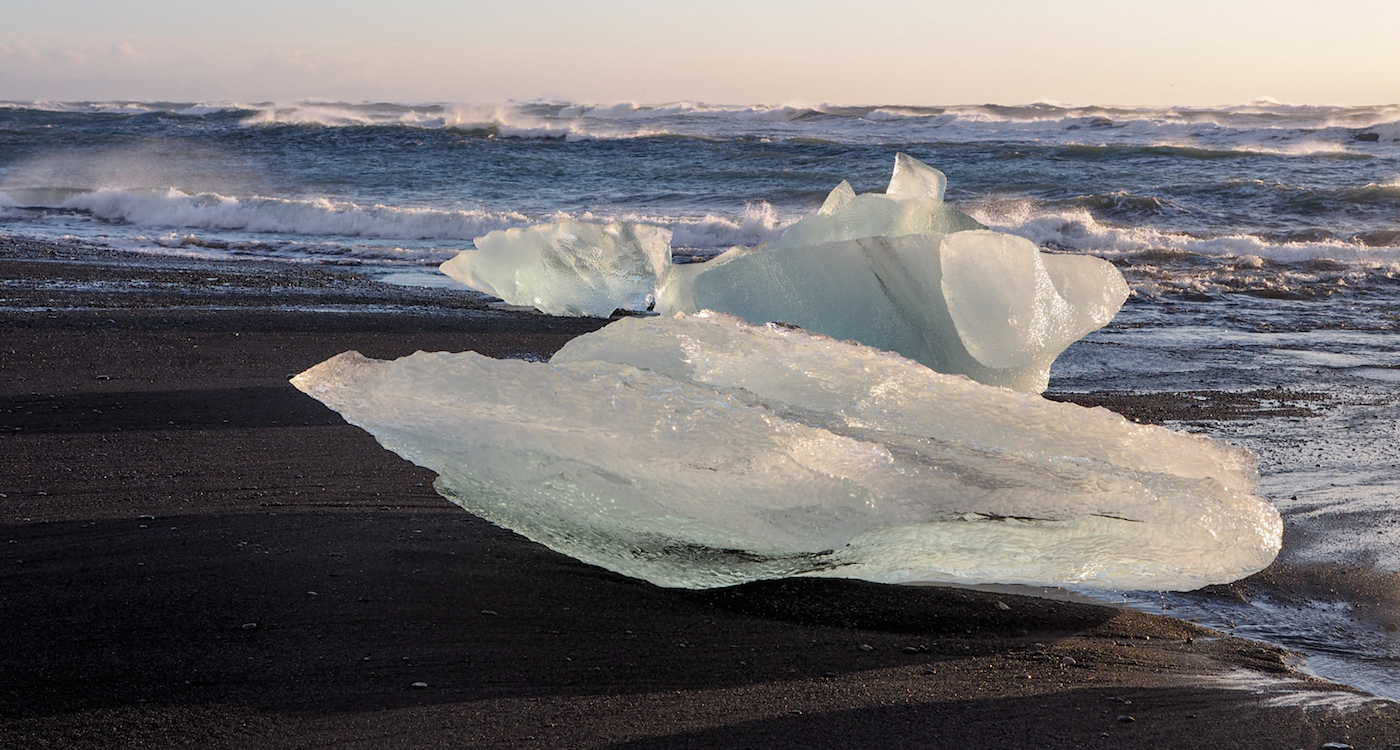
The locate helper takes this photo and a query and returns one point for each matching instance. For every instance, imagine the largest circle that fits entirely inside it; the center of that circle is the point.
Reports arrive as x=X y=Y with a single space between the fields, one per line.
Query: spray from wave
x=1159 y=262
x=1261 y=128
x=179 y=214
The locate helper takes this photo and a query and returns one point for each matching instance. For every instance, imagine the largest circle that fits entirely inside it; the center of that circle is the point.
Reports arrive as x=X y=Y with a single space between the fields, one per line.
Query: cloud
x=21 y=50
x=73 y=57
x=126 y=51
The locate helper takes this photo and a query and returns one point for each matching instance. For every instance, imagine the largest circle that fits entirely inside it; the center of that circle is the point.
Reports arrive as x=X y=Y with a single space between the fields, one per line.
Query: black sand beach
x=195 y=554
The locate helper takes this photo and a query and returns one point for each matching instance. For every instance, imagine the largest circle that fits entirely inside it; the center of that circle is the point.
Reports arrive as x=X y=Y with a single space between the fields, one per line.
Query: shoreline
x=165 y=489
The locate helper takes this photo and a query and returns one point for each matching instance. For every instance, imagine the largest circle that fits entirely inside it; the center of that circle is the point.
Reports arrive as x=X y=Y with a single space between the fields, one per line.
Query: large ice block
x=702 y=451
x=568 y=267
x=904 y=271
x=978 y=303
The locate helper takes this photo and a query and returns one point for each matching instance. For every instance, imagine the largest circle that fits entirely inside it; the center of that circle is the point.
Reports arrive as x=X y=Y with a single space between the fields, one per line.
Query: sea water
x=1262 y=243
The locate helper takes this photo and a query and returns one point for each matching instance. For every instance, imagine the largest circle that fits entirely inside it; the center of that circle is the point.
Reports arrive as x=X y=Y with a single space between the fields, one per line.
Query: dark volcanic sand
x=194 y=553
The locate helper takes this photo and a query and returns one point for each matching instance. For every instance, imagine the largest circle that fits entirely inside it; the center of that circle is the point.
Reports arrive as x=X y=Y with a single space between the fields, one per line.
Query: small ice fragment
x=568 y=267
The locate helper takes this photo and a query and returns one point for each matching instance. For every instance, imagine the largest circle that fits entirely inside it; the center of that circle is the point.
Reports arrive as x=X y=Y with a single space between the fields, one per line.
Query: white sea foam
x=1277 y=691
x=211 y=109
x=755 y=224
x=1243 y=260
x=758 y=223
x=1076 y=229
x=173 y=208
x=1310 y=146
x=505 y=119
x=1263 y=128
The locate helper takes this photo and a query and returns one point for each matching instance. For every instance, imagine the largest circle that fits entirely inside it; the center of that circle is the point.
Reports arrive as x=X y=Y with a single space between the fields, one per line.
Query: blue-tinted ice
x=901 y=271
x=701 y=451
x=568 y=267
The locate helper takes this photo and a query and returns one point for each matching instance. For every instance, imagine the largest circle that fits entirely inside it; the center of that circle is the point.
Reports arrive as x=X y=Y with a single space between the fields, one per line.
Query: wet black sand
x=192 y=553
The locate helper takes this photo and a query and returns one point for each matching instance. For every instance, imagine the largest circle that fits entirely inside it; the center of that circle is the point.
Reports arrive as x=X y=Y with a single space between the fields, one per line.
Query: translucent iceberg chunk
x=568 y=267
x=702 y=451
x=976 y=303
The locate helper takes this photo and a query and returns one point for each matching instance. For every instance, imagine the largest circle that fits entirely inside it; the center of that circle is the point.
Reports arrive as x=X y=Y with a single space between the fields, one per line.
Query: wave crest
x=1160 y=262
x=323 y=217
x=1259 y=128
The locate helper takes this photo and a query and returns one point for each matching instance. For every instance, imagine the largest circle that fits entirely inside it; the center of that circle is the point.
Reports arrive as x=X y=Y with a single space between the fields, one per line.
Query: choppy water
x=1263 y=243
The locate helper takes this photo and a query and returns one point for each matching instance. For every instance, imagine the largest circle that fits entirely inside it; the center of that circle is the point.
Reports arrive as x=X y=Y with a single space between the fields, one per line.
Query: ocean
x=1262 y=243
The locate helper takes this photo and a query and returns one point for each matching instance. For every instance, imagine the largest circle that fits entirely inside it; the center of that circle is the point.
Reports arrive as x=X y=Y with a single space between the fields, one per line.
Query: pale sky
x=1194 y=52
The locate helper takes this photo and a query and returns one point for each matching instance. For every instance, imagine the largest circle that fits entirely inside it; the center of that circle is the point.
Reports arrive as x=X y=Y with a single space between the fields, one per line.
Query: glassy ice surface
x=978 y=303
x=568 y=267
x=702 y=451
x=905 y=272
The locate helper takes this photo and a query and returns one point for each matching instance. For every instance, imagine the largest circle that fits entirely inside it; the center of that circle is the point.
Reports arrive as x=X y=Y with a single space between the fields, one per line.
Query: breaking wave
x=1158 y=261
x=322 y=217
x=1274 y=131
x=1260 y=128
